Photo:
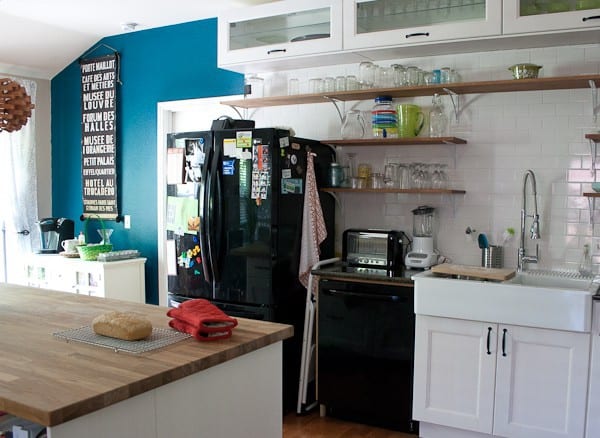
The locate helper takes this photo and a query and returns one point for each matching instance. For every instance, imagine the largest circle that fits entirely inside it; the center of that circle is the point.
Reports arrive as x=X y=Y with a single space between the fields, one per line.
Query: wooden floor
x=313 y=426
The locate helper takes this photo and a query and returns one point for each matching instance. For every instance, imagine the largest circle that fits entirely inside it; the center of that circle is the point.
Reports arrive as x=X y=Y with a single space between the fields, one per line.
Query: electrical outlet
x=127 y=221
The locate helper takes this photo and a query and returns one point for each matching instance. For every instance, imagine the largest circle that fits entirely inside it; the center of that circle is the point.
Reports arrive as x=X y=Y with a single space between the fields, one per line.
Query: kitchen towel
x=313 y=224
x=201 y=319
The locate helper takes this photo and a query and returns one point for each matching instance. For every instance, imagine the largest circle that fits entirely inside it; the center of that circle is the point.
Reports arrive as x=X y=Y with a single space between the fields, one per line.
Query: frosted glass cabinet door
x=279 y=30
x=380 y=23
x=526 y=16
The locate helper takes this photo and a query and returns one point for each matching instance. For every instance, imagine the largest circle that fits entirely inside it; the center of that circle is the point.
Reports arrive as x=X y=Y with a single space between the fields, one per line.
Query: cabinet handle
x=410 y=35
x=504 y=342
x=593 y=17
x=276 y=50
x=488 y=340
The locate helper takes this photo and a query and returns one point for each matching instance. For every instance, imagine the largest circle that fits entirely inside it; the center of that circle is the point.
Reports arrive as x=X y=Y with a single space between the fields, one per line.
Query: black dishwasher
x=366 y=337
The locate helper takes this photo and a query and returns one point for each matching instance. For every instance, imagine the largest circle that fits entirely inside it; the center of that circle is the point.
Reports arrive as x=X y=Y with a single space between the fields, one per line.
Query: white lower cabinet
x=123 y=279
x=500 y=380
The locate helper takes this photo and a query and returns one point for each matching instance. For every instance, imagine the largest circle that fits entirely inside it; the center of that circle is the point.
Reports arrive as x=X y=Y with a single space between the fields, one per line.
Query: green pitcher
x=410 y=120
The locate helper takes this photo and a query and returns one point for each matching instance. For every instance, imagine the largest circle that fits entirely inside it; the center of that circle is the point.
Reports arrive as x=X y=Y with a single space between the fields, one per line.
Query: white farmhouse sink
x=543 y=301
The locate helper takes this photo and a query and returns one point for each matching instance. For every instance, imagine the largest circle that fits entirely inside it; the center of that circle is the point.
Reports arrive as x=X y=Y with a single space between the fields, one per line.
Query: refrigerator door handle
x=213 y=200
x=203 y=201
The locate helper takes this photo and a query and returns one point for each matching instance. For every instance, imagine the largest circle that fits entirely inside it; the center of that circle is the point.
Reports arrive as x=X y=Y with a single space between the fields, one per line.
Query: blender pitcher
x=423 y=254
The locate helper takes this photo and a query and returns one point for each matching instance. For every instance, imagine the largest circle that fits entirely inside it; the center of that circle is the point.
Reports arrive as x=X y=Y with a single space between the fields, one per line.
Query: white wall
x=507 y=133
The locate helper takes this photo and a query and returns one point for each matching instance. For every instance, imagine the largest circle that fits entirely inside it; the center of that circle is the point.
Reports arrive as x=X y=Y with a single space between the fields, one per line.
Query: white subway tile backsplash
x=507 y=133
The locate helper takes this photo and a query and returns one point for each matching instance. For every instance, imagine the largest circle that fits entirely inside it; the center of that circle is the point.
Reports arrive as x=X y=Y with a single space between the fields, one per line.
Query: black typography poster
x=98 y=139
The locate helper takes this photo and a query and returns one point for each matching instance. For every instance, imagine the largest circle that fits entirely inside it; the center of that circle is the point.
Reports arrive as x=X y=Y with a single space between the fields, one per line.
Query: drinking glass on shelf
x=340 y=83
x=293 y=86
x=328 y=84
x=366 y=74
x=390 y=175
x=403 y=176
x=351 y=83
x=315 y=85
x=351 y=164
x=375 y=181
x=412 y=76
x=385 y=77
x=399 y=75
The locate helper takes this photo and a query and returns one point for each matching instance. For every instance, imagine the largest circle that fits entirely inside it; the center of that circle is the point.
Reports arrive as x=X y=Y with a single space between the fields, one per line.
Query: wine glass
x=105 y=234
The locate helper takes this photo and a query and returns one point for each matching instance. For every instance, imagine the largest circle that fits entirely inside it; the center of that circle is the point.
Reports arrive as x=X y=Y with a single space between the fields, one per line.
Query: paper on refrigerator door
x=171 y=258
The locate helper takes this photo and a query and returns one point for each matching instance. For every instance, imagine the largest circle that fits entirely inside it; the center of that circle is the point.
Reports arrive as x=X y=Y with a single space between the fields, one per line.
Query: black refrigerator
x=242 y=250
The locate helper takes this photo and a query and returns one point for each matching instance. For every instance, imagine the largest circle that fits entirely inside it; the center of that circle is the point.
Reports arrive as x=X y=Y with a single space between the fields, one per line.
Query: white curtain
x=18 y=194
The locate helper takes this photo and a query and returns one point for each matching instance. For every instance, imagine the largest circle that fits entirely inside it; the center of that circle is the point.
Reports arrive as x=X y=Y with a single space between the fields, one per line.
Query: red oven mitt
x=196 y=333
x=203 y=316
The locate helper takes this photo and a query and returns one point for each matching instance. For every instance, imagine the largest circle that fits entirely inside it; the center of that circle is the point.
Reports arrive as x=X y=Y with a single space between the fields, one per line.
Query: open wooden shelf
x=422 y=191
x=593 y=137
x=405 y=141
x=500 y=86
x=592 y=194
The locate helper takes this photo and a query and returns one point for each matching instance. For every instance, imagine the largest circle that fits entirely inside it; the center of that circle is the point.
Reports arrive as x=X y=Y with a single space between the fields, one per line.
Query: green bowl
x=525 y=71
x=596 y=186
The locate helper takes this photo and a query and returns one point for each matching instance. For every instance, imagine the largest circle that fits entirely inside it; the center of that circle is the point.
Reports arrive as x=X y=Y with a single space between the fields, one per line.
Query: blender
x=422 y=254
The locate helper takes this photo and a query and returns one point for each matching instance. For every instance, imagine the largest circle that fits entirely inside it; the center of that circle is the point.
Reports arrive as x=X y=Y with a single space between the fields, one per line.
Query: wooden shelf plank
x=422 y=191
x=593 y=137
x=500 y=86
x=395 y=141
x=592 y=194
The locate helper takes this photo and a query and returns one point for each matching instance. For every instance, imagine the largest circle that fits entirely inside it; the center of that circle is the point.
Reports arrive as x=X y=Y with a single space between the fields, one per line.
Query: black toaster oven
x=375 y=250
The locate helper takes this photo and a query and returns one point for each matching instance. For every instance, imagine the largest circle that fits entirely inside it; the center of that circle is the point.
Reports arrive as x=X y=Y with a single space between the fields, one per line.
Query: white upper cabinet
x=527 y=16
x=279 y=31
x=384 y=23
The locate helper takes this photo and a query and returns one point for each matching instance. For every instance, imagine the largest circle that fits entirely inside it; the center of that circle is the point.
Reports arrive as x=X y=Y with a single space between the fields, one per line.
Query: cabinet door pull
x=488 y=340
x=593 y=17
x=276 y=50
x=504 y=342
x=410 y=35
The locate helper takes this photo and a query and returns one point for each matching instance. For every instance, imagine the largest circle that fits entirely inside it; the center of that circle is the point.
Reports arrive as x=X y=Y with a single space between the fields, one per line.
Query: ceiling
x=38 y=38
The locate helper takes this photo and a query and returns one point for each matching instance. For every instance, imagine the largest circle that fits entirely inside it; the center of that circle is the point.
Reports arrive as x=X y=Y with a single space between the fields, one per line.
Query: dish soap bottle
x=438 y=120
x=585 y=266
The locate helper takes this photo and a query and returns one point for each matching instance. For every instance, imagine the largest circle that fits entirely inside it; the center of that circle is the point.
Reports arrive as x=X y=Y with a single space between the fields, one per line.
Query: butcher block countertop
x=49 y=381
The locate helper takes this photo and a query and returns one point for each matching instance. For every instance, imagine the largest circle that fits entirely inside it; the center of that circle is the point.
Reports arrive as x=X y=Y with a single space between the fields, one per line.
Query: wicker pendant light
x=15 y=105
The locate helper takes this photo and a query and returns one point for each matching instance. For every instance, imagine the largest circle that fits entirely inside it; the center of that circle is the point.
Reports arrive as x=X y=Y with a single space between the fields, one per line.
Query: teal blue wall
x=169 y=63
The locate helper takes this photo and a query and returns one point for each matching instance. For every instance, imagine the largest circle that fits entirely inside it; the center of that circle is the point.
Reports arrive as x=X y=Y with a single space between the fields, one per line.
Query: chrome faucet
x=534 y=231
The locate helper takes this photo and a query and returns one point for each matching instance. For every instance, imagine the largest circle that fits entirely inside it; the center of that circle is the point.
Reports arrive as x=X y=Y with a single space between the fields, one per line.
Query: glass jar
x=375 y=181
x=438 y=120
x=364 y=170
x=336 y=175
x=384 y=118
x=254 y=86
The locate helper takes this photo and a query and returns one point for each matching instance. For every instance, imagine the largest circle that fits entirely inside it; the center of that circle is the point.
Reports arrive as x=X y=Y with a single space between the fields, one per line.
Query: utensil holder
x=492 y=257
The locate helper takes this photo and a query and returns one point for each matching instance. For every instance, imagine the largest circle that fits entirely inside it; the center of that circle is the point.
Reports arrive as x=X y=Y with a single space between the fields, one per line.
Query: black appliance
x=244 y=253
x=366 y=337
x=53 y=230
x=373 y=251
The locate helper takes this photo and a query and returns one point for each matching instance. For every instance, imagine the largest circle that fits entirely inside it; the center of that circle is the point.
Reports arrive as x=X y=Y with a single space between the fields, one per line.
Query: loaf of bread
x=129 y=326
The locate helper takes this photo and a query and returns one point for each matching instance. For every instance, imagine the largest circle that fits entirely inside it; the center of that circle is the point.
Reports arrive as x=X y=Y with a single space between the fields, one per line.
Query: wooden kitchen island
x=227 y=388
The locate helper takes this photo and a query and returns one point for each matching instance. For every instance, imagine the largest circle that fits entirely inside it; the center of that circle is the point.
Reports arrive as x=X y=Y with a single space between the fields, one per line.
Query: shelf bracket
x=593 y=150
x=335 y=101
x=455 y=98
x=594 y=92
x=236 y=110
